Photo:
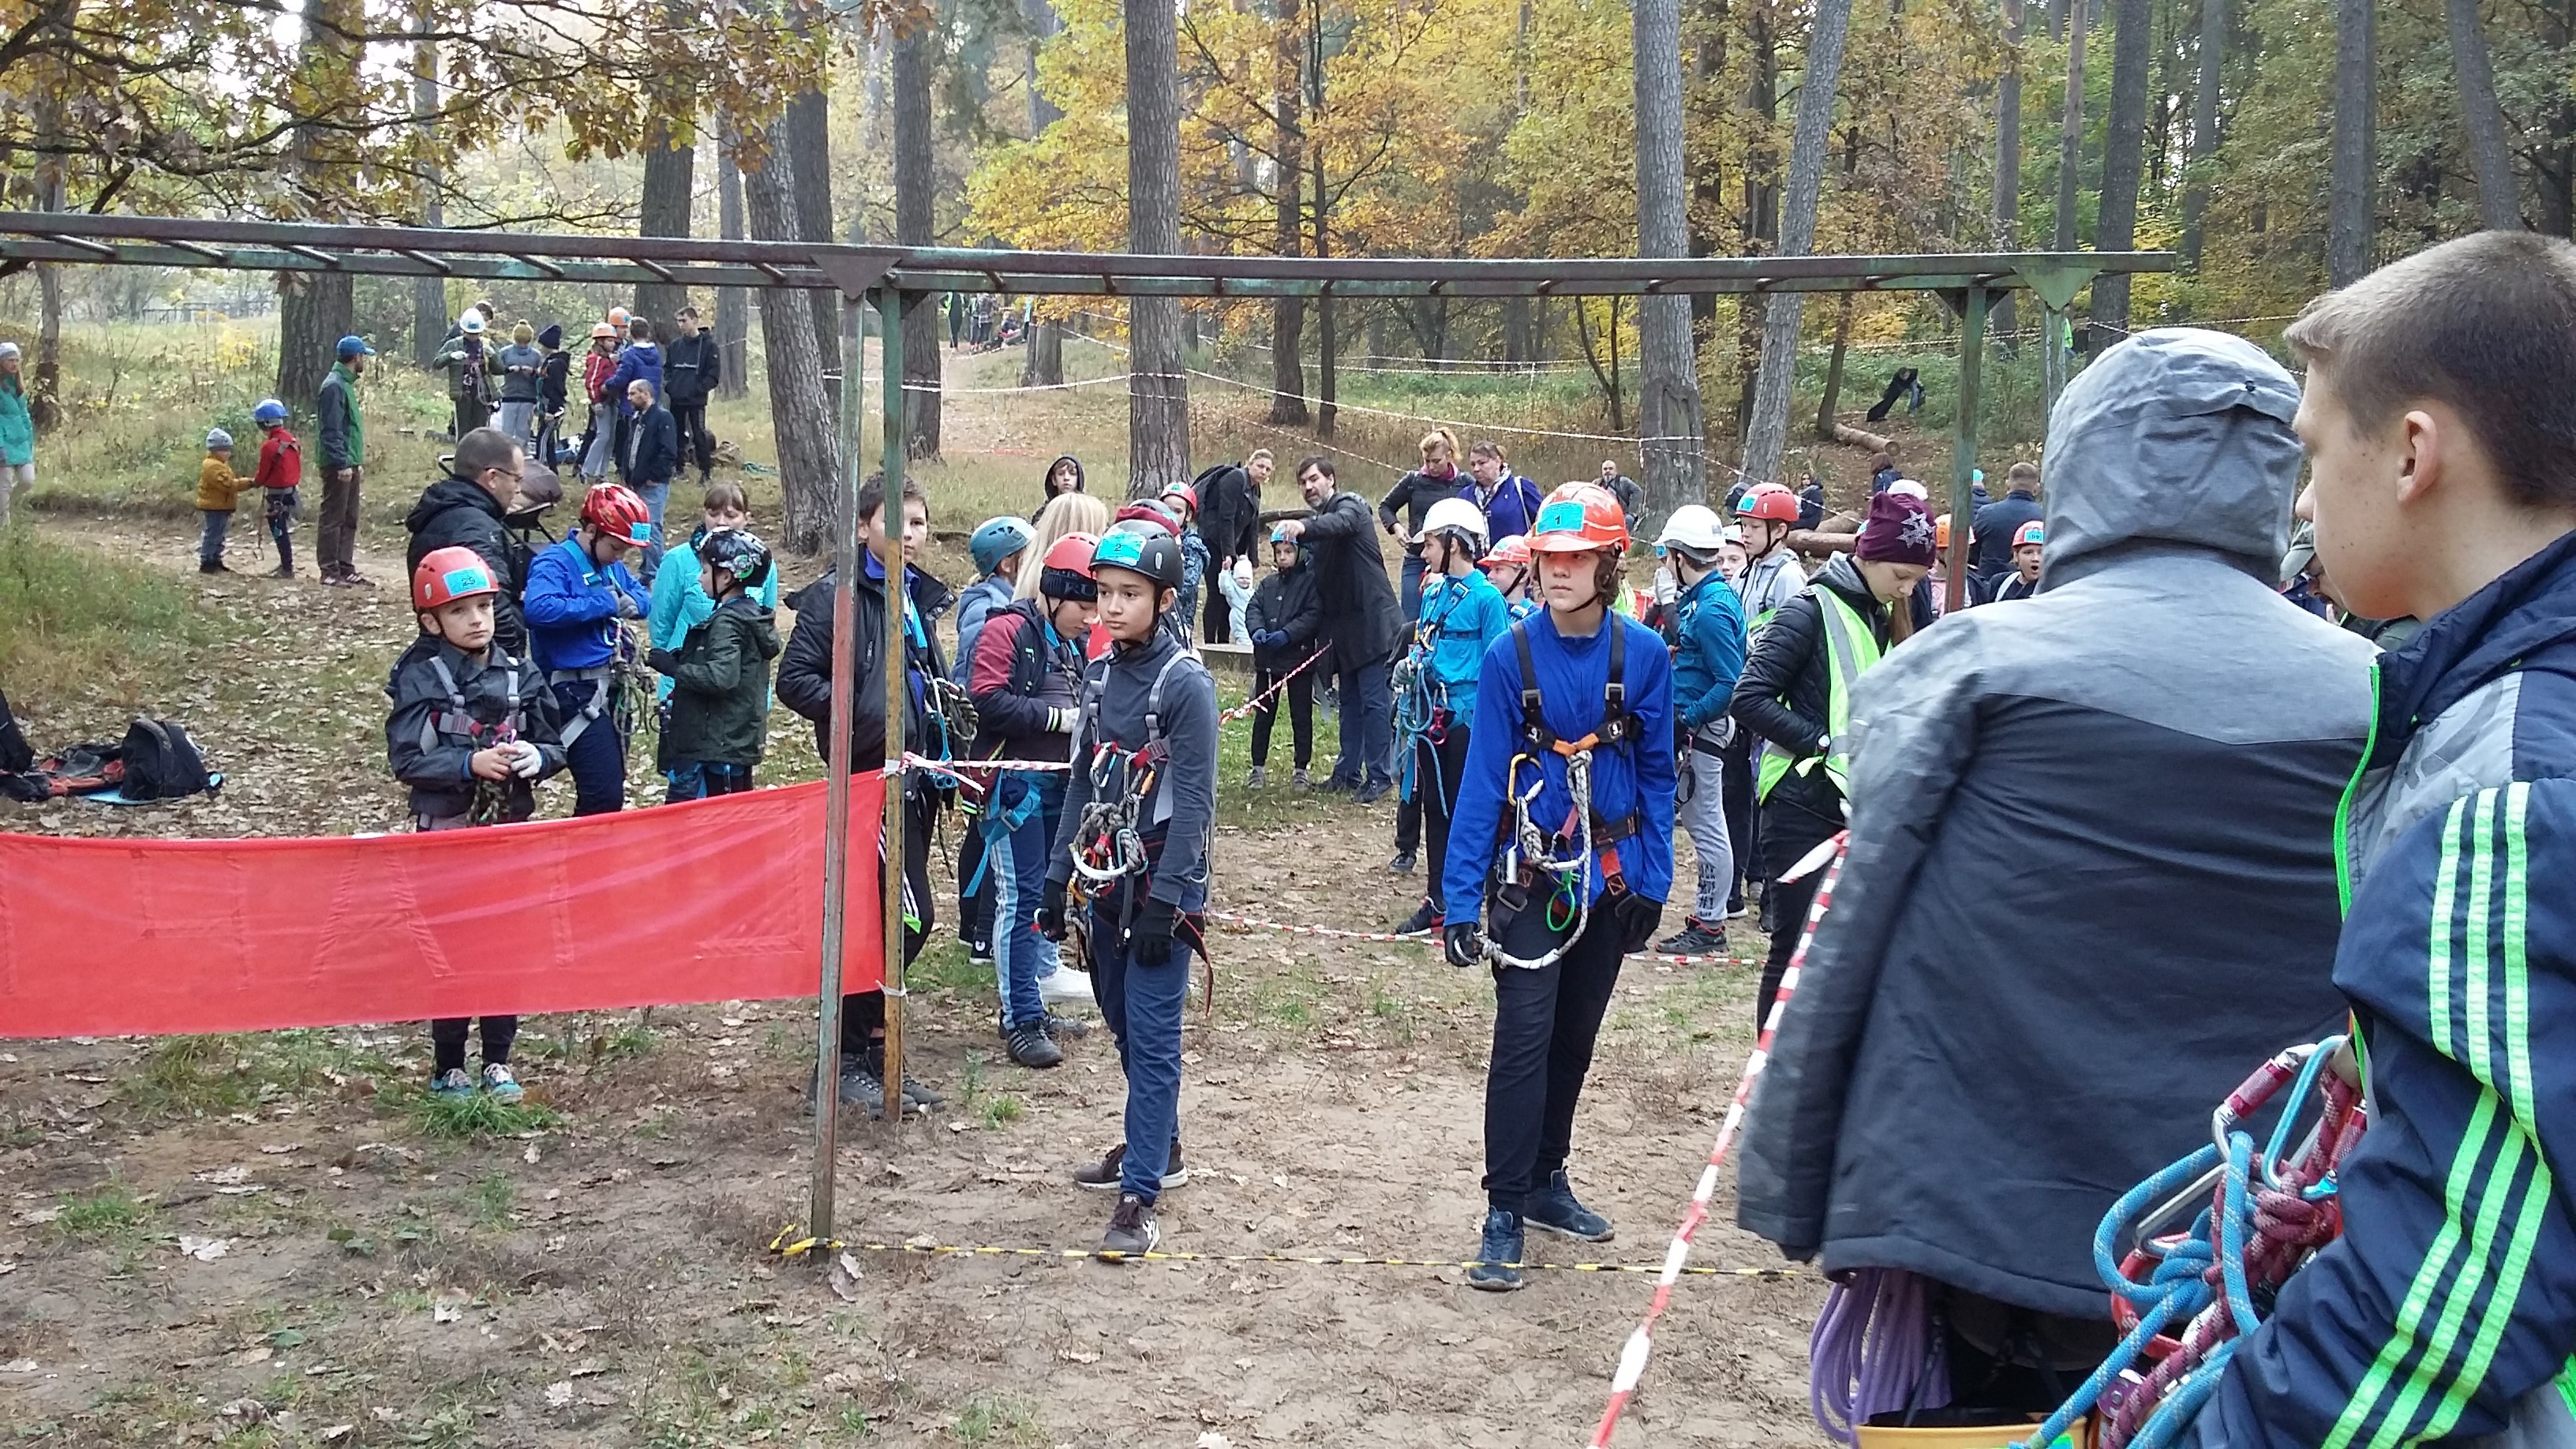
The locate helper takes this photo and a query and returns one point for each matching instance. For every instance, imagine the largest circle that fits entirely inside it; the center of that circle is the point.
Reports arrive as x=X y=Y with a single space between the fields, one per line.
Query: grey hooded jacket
x=2090 y=884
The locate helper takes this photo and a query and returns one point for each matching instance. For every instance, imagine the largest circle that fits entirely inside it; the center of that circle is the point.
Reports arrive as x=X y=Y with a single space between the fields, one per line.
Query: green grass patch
x=466 y=1115
x=998 y=1419
x=107 y=1213
x=1001 y=1110
x=78 y=626
x=210 y=1076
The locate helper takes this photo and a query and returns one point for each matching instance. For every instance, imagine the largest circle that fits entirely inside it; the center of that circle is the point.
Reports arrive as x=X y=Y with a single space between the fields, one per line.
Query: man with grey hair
x=2088 y=887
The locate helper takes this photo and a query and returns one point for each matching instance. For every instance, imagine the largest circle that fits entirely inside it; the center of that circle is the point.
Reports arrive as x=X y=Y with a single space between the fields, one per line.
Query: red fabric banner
x=715 y=900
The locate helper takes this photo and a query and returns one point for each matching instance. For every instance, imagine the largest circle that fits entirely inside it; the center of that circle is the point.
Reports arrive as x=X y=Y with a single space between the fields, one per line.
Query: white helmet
x=1454 y=515
x=1693 y=526
x=1910 y=488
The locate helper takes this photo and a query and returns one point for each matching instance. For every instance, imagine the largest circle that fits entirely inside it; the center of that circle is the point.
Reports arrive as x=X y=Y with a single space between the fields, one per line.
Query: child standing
x=218 y=488
x=1144 y=754
x=1508 y=565
x=720 y=674
x=577 y=595
x=471 y=728
x=999 y=547
x=1708 y=654
x=1282 y=620
x=1183 y=501
x=281 y=471
x=1462 y=613
x=680 y=601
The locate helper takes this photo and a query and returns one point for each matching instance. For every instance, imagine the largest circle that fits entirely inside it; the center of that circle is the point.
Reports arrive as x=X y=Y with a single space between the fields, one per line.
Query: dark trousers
x=1143 y=1006
x=335 y=538
x=1367 y=720
x=1789 y=832
x=1216 y=618
x=863 y=1012
x=1412 y=595
x=597 y=757
x=1741 y=832
x=695 y=441
x=447 y=1041
x=1301 y=716
x=1437 y=767
x=1544 y=1025
x=280 y=517
x=975 y=908
x=1408 y=825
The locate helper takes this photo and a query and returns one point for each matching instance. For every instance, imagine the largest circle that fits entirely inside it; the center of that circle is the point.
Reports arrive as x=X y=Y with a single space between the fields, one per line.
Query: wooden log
x=1846 y=433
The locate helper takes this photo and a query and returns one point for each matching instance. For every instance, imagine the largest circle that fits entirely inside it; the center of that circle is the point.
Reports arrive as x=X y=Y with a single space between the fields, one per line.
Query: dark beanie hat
x=1899 y=531
x=552 y=337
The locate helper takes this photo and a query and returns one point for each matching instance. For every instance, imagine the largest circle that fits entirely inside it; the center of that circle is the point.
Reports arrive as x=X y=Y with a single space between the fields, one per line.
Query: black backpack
x=16 y=756
x=161 y=762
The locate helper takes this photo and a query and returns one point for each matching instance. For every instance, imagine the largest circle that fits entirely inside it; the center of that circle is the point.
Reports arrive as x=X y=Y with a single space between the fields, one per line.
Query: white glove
x=525 y=759
x=1059 y=720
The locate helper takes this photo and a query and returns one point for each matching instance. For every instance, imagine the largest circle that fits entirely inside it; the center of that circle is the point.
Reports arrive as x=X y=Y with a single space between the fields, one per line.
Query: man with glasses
x=470 y=507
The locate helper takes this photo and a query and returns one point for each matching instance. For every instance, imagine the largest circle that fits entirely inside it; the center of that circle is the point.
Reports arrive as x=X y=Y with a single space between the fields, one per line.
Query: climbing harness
x=1109 y=852
x=491 y=800
x=1422 y=698
x=2266 y=1213
x=1565 y=853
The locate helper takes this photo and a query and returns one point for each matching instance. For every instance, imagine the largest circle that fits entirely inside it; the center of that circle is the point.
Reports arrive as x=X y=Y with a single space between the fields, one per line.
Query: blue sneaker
x=1499 y=1255
x=451 y=1083
x=1553 y=1209
x=503 y=1086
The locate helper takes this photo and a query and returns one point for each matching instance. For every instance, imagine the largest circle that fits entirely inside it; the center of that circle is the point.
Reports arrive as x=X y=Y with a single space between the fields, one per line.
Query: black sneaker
x=1335 y=785
x=1065 y=1028
x=859 y=1087
x=1373 y=792
x=1402 y=864
x=1131 y=1229
x=1032 y=1047
x=914 y=1093
x=1695 y=938
x=1103 y=1176
x=1425 y=921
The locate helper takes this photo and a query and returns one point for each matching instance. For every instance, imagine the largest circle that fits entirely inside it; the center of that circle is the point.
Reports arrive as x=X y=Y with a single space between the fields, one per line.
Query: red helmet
x=1185 y=493
x=1579 y=518
x=1773 y=501
x=1511 y=552
x=448 y=574
x=1066 y=571
x=615 y=510
x=2033 y=533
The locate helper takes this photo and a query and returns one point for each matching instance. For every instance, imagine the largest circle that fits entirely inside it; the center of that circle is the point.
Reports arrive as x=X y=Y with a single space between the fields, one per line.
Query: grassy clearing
x=106 y=1214
x=468 y=1116
x=197 y=1077
x=77 y=627
x=998 y=1419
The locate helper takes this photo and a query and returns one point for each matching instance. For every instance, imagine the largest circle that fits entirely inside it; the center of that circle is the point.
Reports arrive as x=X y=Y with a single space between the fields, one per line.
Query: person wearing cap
x=340 y=427
x=1795 y=695
x=1573 y=748
x=1146 y=743
x=554 y=385
x=218 y=488
x=2028 y=542
x=2074 y=821
x=17 y=431
x=692 y=367
x=1462 y=614
x=1282 y=621
x=599 y=429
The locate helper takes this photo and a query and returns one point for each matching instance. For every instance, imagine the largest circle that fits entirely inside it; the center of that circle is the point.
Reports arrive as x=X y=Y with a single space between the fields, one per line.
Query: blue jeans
x=1018 y=822
x=654 y=495
x=597 y=758
x=696 y=780
x=1367 y=726
x=1142 y=1005
x=1412 y=587
x=210 y=548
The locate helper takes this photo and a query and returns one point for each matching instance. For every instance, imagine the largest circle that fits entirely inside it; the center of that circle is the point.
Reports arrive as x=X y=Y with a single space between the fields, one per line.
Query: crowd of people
x=2037 y=974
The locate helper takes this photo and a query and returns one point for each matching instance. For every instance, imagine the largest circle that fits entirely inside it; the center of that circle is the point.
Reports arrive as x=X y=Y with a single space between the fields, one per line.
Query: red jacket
x=281 y=461
x=597 y=368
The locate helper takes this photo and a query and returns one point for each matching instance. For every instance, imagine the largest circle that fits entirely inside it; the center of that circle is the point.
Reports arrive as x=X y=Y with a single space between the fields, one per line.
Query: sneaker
x=1260 y=777
x=281 y=572
x=1373 y=792
x=1302 y=779
x=1065 y=984
x=211 y=566
x=1335 y=785
x=1553 y=1209
x=1402 y=864
x=980 y=952
x=1103 y=1176
x=1498 y=1255
x=1425 y=921
x=914 y=1093
x=1032 y=1047
x=498 y=1081
x=1735 y=910
x=861 y=1087
x=1131 y=1229
x=1695 y=938
x=451 y=1083
x=355 y=580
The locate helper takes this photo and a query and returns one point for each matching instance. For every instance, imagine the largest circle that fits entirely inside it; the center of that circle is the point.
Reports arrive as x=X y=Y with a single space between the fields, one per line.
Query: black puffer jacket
x=454 y=512
x=1411 y=498
x=1284 y=603
x=805 y=669
x=1360 y=619
x=1784 y=693
x=1230 y=516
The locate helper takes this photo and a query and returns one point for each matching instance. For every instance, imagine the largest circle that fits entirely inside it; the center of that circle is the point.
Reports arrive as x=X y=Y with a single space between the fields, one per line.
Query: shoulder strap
x=1534 y=728
x=1614 y=711
x=1154 y=696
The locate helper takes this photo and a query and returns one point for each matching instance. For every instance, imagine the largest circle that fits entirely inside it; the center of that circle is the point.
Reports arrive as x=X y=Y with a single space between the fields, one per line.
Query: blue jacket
x=1573 y=679
x=1512 y=509
x=975 y=602
x=680 y=601
x=1711 y=622
x=649 y=453
x=571 y=608
x=1461 y=618
x=640 y=359
x=2447 y=1310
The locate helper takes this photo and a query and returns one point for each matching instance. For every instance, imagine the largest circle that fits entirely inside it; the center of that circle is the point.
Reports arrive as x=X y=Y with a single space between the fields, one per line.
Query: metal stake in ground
x=890 y=305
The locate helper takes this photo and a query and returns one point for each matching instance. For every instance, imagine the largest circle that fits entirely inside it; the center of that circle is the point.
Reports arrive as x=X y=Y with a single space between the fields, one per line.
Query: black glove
x=1465 y=943
x=1149 y=939
x=664 y=661
x=1637 y=918
x=1051 y=911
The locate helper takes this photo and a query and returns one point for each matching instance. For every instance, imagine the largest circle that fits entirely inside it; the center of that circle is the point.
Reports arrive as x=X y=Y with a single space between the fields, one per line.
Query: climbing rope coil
x=2265 y=1211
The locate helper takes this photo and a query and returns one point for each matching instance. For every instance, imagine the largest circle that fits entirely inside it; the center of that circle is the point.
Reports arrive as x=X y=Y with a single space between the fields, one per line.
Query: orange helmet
x=616 y=510
x=448 y=574
x=617 y=318
x=1773 y=501
x=1579 y=518
x=1066 y=571
x=1511 y=552
x=1941 y=534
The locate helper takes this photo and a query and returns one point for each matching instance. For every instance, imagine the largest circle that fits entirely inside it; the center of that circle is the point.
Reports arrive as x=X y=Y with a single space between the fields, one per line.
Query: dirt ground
x=258 y=1240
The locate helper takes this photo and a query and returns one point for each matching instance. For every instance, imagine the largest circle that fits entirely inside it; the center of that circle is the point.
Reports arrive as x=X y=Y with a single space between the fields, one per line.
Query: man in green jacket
x=343 y=435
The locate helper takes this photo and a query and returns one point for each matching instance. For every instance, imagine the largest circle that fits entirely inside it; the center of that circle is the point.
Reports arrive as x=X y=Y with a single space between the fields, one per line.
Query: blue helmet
x=996 y=539
x=269 y=412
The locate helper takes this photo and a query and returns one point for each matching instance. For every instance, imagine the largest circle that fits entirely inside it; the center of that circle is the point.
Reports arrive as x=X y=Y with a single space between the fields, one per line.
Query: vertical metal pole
x=2052 y=367
x=1963 y=459
x=890 y=305
x=836 y=795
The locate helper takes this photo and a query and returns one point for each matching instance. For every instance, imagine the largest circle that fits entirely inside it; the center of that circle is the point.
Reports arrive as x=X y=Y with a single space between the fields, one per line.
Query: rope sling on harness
x=1422 y=697
x=1565 y=853
x=491 y=800
x=1108 y=847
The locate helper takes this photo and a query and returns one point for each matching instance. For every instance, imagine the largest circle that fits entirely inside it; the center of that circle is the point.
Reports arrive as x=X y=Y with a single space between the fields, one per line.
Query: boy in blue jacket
x=1577 y=882
x=2444 y=488
x=578 y=594
x=1461 y=615
x=1708 y=654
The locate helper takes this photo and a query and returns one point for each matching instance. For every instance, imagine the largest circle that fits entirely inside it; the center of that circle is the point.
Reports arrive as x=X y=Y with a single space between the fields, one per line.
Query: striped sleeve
x=2452 y=1292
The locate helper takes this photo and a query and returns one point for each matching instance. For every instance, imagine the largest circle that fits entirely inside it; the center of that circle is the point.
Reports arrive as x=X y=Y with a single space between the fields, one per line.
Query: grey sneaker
x=1030 y=1045
x=1301 y=778
x=498 y=1081
x=1131 y=1229
x=1260 y=777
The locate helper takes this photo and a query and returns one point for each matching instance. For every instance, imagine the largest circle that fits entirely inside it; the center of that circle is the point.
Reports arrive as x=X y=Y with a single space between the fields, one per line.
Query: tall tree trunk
x=1761 y=202
x=2008 y=157
x=316 y=308
x=2204 y=125
x=428 y=294
x=2070 y=132
x=1327 y=338
x=733 y=304
x=809 y=130
x=1707 y=169
x=1769 y=433
x=2555 y=168
x=669 y=167
x=2350 y=217
x=800 y=411
x=1043 y=366
x=1044 y=24
x=1158 y=397
x=1668 y=414
x=1833 y=398
x=1288 y=313
x=913 y=180
x=2499 y=199
x=2115 y=230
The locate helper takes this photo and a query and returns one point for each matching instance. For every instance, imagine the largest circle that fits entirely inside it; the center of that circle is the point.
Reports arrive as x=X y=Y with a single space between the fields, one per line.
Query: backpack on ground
x=161 y=762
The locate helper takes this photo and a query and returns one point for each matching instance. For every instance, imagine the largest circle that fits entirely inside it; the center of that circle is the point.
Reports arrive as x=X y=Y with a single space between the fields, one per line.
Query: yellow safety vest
x=1850 y=647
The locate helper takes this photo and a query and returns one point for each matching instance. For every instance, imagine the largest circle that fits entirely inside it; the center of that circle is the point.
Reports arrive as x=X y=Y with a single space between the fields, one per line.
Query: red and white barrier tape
x=1341 y=935
x=1641 y=1344
x=1245 y=709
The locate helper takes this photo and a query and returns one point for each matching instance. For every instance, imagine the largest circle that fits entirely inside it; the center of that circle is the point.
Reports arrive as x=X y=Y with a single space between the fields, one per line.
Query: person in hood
x=1064 y=475
x=2001 y=992
x=720 y=674
x=1795 y=696
x=469 y=507
x=2444 y=489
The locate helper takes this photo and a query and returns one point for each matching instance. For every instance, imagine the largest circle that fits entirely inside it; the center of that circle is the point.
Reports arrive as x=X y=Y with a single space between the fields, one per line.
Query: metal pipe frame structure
x=890 y=279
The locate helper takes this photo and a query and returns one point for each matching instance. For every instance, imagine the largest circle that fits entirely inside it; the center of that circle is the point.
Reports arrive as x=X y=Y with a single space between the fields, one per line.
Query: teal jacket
x=17 y=426
x=680 y=604
x=1460 y=617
